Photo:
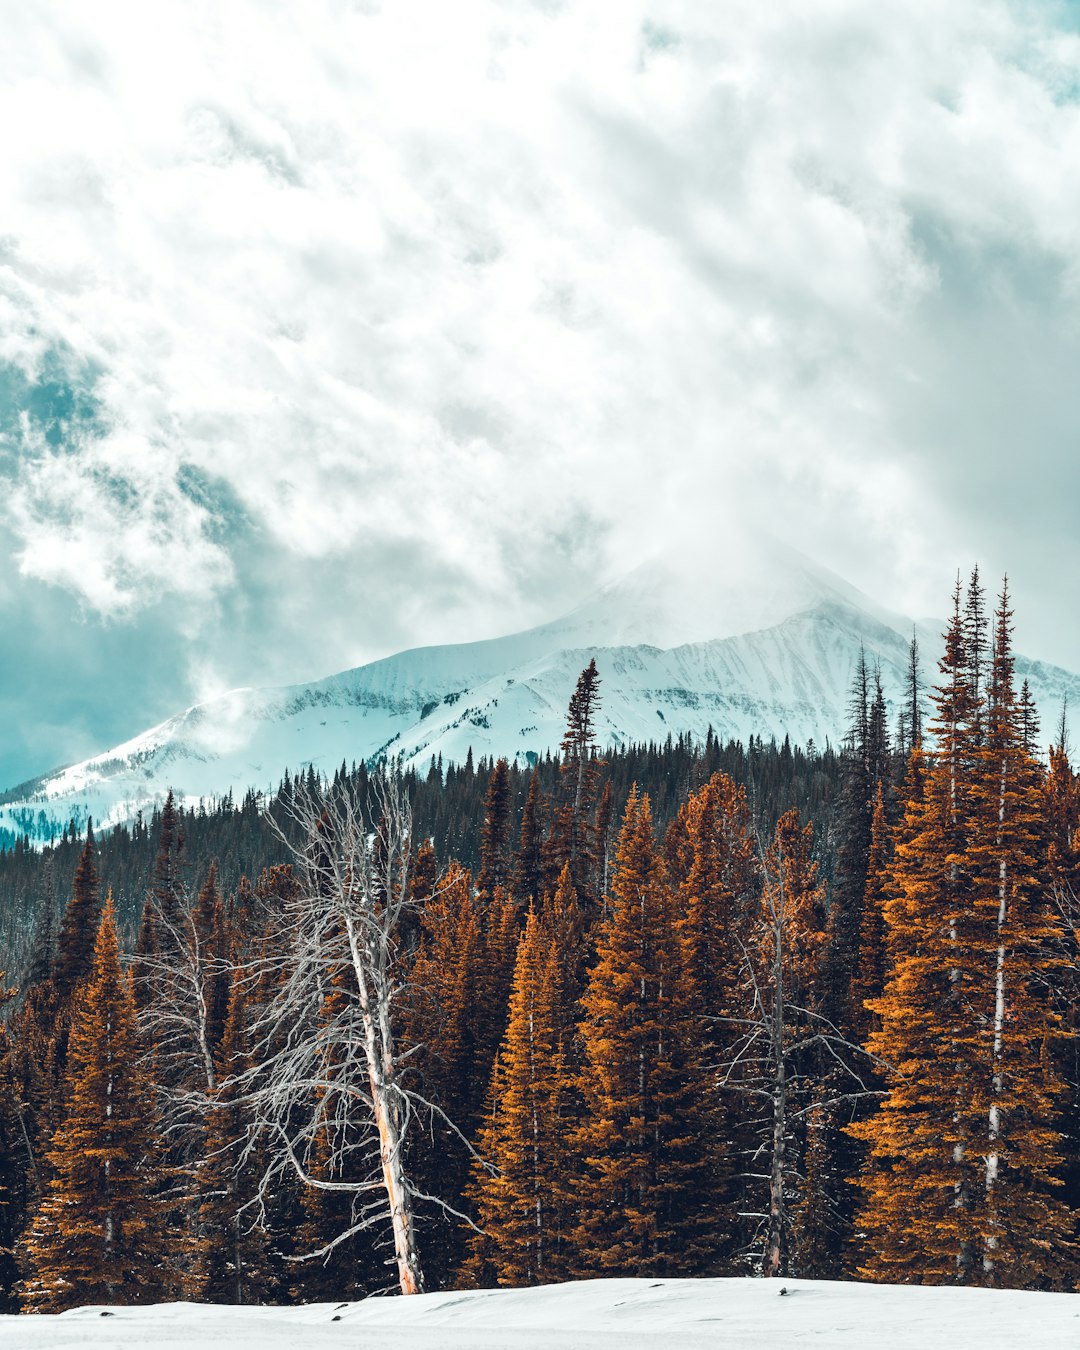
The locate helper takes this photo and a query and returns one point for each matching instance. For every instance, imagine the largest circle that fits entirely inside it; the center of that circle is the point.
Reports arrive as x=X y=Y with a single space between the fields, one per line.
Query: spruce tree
x=871 y=968
x=14 y=1178
x=448 y=1022
x=1016 y=945
x=648 y=1140
x=518 y=1184
x=97 y=1235
x=495 y=860
x=1061 y=816
x=573 y=837
x=959 y=1185
x=529 y=863
x=78 y=931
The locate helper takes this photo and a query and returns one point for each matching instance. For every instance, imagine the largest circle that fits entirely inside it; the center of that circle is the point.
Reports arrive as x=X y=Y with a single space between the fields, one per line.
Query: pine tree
x=168 y=889
x=1016 y=942
x=529 y=864
x=919 y=1179
x=210 y=941
x=519 y=1188
x=448 y=1022
x=648 y=1139
x=43 y=949
x=914 y=695
x=96 y=1237
x=78 y=931
x=871 y=966
x=13 y=1165
x=959 y=1184
x=1061 y=816
x=865 y=769
x=711 y=855
x=495 y=861
x=564 y=919
x=573 y=836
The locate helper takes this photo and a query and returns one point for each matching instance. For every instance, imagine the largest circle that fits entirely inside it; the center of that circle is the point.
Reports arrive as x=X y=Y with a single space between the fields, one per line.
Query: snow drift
x=593 y=1315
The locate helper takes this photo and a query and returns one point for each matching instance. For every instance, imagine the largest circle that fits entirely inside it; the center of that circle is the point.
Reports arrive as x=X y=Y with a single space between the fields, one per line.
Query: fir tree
x=871 y=967
x=1015 y=941
x=573 y=837
x=529 y=864
x=13 y=1165
x=96 y=1237
x=449 y=1023
x=78 y=931
x=1061 y=817
x=519 y=1188
x=648 y=1139
x=495 y=862
x=959 y=1186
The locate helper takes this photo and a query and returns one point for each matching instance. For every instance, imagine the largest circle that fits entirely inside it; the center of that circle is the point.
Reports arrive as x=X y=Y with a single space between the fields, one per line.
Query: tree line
x=656 y=1021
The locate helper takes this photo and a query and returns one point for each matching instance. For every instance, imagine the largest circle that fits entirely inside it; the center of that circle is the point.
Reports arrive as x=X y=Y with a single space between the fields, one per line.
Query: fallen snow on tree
x=590 y=1315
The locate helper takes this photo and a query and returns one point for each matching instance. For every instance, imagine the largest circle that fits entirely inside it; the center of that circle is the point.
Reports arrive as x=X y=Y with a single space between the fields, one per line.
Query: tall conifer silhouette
x=96 y=1237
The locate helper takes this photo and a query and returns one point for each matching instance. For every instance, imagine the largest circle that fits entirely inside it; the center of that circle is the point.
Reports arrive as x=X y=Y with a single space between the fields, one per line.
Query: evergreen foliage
x=648 y=1142
x=97 y=1236
x=960 y=1185
x=519 y=1186
x=656 y=1021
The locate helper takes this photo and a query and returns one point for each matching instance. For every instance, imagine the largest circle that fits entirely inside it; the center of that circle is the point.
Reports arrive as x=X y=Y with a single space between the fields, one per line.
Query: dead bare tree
x=175 y=1021
x=326 y=1097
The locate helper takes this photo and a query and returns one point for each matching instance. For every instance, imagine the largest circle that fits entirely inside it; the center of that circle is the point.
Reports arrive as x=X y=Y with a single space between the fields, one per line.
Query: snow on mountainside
x=614 y=1314
x=749 y=638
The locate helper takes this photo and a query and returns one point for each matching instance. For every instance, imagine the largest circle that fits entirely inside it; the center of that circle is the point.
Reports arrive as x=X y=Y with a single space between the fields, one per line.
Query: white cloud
x=424 y=291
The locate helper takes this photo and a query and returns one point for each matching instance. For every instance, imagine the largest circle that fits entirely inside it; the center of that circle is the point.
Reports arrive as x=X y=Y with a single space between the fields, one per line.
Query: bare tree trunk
x=774 y=1237
x=342 y=933
x=386 y=1108
x=997 y=1081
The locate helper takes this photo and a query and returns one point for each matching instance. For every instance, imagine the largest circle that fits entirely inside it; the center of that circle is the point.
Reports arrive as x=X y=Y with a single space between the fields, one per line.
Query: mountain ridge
x=507 y=695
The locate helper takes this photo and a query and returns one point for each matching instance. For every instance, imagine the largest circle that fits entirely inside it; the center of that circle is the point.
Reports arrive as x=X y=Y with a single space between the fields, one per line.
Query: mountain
x=744 y=635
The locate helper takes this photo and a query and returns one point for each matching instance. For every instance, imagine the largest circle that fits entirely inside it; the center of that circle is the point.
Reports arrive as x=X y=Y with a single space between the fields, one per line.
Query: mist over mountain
x=741 y=634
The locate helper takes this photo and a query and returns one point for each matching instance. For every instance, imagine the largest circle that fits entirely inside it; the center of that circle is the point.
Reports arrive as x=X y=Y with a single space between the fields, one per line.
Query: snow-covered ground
x=592 y=1315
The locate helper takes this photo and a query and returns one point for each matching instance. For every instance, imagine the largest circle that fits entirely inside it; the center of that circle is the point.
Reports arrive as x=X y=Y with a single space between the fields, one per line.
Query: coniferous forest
x=678 y=1010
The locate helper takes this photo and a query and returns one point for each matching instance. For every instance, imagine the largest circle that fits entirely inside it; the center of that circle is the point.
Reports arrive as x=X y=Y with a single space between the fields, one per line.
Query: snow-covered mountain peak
x=738 y=632
x=736 y=581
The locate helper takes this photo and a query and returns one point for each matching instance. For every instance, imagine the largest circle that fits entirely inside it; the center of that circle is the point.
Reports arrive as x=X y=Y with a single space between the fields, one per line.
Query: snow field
x=630 y=1314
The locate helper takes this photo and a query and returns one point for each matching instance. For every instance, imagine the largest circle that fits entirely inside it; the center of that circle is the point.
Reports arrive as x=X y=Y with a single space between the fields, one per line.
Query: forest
x=678 y=1010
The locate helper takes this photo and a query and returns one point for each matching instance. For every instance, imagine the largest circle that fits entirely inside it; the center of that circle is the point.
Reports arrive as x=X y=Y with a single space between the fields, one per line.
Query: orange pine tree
x=518 y=1188
x=448 y=1019
x=646 y=1198
x=1061 y=814
x=97 y=1237
x=960 y=1178
x=1016 y=942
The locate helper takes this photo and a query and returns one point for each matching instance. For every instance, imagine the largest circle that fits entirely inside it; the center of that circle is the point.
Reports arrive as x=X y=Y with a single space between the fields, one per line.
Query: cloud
x=395 y=322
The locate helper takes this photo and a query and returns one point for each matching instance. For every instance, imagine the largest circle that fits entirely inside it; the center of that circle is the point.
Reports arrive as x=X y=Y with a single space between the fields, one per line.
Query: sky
x=332 y=329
